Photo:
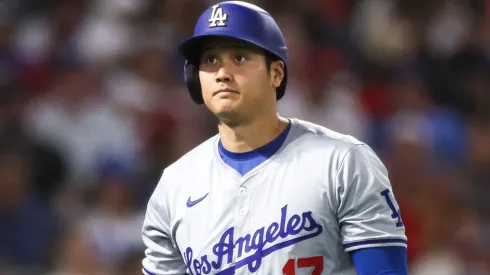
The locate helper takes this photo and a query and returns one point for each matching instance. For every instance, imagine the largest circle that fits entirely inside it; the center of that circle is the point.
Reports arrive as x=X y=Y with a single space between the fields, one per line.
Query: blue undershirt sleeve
x=388 y=260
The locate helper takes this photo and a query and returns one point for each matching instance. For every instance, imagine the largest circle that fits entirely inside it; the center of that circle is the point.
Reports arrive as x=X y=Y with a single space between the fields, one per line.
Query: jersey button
x=242 y=212
x=242 y=190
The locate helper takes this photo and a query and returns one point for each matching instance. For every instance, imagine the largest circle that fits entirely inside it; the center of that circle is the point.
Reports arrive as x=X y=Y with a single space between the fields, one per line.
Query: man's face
x=236 y=83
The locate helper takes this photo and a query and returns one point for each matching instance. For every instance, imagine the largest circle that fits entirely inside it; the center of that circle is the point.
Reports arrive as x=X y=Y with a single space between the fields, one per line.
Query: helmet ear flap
x=191 y=77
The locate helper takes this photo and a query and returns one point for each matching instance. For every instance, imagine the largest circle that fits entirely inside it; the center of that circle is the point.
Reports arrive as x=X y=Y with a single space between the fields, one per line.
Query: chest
x=271 y=214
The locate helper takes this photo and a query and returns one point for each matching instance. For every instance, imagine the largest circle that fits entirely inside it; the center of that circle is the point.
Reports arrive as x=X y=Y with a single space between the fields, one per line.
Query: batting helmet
x=238 y=20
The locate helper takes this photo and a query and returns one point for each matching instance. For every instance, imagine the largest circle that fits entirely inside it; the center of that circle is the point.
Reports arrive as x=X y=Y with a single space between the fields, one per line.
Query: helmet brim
x=191 y=48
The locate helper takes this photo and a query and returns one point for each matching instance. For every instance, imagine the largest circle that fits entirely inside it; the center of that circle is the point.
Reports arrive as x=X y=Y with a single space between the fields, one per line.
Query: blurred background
x=93 y=107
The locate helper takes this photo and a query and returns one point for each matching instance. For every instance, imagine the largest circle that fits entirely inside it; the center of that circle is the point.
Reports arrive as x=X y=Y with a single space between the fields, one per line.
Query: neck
x=257 y=133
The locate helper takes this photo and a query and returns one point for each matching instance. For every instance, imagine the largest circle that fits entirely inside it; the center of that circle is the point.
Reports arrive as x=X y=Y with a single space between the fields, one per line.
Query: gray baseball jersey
x=320 y=196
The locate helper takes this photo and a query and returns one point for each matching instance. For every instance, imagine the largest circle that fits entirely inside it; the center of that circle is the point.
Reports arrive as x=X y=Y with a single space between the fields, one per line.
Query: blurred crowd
x=93 y=106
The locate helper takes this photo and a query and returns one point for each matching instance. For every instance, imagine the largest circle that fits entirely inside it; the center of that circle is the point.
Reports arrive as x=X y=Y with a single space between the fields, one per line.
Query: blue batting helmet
x=238 y=20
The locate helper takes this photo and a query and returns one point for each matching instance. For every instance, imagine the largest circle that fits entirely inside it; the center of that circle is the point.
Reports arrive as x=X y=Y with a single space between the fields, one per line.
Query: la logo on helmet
x=218 y=17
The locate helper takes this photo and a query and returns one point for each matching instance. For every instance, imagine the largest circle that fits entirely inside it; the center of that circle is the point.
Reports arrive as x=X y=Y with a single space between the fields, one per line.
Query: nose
x=223 y=75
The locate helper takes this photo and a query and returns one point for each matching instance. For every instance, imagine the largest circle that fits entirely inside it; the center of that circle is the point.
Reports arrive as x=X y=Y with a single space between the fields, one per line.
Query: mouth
x=225 y=91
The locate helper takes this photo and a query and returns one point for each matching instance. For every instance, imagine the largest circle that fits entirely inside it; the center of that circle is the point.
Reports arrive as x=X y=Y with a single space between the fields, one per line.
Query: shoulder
x=311 y=137
x=183 y=170
x=195 y=158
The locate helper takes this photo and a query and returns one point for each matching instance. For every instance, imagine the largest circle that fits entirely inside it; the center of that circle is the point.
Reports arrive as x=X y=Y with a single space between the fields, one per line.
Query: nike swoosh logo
x=192 y=203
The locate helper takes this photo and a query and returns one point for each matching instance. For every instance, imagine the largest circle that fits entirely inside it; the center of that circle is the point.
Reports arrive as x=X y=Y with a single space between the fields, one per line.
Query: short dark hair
x=269 y=58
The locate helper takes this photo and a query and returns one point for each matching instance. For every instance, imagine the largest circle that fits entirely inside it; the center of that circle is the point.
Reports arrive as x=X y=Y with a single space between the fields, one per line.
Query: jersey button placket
x=241 y=222
x=243 y=205
x=242 y=212
x=242 y=190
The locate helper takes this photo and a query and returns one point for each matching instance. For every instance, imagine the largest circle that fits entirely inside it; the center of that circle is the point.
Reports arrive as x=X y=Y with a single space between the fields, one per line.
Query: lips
x=225 y=91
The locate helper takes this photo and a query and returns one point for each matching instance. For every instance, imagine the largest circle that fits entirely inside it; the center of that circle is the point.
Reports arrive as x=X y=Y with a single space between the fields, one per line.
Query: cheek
x=206 y=80
x=254 y=84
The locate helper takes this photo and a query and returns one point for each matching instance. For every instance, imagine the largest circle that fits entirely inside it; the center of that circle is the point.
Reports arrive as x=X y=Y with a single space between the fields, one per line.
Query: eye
x=211 y=59
x=240 y=58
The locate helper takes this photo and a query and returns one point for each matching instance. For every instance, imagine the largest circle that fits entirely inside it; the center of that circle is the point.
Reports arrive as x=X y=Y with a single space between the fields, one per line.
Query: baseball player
x=267 y=195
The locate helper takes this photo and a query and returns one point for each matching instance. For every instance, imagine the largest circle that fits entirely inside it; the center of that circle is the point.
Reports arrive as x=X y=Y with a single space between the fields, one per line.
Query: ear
x=277 y=73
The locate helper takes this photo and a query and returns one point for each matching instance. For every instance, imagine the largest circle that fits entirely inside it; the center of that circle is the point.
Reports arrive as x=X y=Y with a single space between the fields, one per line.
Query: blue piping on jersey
x=146 y=272
x=381 y=241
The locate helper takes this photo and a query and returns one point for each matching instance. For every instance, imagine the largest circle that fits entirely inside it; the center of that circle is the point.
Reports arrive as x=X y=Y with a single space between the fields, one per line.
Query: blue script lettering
x=254 y=243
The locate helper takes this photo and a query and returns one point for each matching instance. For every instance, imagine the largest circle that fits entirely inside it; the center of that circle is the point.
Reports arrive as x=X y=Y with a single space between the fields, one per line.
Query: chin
x=226 y=104
x=228 y=109
x=229 y=113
